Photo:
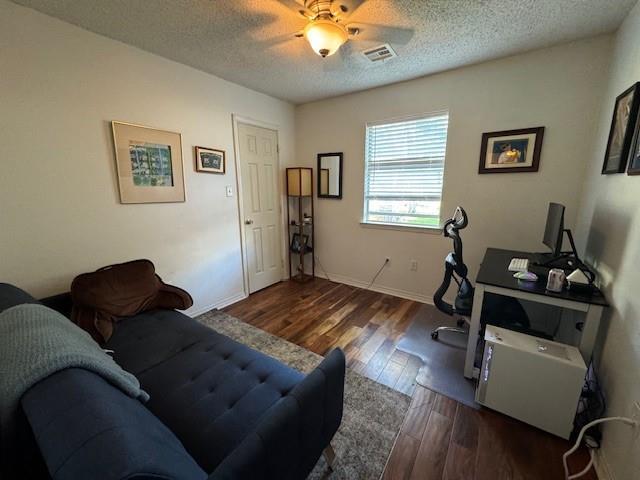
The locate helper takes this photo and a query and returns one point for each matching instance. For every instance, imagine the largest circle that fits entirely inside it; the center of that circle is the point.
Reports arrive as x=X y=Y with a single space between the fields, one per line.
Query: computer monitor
x=554 y=229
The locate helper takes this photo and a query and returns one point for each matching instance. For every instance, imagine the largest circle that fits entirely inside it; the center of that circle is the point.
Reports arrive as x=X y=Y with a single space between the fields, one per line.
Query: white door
x=258 y=149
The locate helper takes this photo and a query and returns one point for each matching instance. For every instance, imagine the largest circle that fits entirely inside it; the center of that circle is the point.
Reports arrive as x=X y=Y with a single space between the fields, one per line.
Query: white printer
x=532 y=379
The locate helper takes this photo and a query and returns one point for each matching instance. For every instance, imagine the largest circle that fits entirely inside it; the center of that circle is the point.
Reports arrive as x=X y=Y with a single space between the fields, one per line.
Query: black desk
x=494 y=277
x=494 y=271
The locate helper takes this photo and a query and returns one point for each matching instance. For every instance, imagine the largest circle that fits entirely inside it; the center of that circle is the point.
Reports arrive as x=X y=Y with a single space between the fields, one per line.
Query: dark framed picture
x=210 y=160
x=621 y=133
x=511 y=151
x=330 y=175
x=298 y=242
x=634 y=155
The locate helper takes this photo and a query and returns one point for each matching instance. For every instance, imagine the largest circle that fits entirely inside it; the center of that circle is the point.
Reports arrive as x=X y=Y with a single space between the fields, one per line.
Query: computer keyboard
x=519 y=265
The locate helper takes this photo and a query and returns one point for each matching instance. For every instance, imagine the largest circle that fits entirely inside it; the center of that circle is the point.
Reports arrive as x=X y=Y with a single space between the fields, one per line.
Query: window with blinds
x=404 y=168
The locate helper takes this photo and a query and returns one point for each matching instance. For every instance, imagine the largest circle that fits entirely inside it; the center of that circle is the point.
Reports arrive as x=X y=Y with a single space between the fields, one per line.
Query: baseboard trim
x=377 y=288
x=223 y=302
x=601 y=466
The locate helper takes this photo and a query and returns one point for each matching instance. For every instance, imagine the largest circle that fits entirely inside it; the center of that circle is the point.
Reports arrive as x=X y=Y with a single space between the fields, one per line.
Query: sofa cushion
x=212 y=392
x=87 y=428
x=148 y=339
x=10 y=296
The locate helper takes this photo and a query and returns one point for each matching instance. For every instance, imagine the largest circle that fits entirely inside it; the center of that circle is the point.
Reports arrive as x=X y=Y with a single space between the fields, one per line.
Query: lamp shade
x=299 y=182
x=325 y=36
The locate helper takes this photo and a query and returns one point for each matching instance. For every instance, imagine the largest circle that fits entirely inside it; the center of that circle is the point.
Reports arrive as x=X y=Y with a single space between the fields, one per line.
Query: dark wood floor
x=440 y=438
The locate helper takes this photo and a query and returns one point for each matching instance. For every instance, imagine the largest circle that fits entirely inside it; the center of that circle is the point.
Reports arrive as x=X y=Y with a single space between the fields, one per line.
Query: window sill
x=403 y=228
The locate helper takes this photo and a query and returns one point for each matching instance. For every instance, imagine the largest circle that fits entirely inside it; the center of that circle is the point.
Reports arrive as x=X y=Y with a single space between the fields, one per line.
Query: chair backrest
x=454 y=262
x=452 y=229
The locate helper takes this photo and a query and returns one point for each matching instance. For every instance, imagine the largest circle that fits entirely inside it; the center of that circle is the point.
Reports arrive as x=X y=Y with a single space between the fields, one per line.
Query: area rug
x=443 y=369
x=373 y=413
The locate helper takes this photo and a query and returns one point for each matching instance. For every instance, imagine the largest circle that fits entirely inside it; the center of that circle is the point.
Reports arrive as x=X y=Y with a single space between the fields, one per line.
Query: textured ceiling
x=250 y=42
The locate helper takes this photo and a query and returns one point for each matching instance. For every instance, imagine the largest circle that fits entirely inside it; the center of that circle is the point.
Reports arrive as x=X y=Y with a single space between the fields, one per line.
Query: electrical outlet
x=414 y=265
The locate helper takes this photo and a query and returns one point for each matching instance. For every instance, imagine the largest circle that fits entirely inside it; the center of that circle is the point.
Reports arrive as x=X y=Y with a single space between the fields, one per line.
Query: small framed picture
x=210 y=160
x=297 y=245
x=621 y=133
x=511 y=151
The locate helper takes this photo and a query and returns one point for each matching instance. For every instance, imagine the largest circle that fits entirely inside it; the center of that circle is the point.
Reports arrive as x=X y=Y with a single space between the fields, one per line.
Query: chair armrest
x=289 y=440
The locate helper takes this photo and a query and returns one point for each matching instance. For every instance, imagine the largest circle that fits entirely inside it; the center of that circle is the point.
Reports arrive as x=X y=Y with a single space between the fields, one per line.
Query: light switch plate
x=229 y=190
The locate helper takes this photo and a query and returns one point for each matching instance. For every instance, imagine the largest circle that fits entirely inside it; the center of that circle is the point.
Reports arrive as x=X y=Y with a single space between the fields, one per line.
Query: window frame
x=364 y=222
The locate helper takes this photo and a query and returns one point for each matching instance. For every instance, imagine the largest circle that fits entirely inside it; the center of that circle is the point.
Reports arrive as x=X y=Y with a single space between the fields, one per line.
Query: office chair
x=497 y=309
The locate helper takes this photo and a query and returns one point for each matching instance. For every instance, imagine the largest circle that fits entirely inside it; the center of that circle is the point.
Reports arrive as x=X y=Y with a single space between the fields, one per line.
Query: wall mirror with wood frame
x=330 y=175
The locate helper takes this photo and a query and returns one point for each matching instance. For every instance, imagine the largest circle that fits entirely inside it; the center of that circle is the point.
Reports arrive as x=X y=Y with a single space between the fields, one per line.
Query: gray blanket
x=36 y=342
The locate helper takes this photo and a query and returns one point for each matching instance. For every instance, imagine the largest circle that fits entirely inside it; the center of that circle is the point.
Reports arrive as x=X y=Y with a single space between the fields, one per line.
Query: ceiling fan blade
x=279 y=40
x=297 y=7
x=346 y=51
x=349 y=7
x=383 y=33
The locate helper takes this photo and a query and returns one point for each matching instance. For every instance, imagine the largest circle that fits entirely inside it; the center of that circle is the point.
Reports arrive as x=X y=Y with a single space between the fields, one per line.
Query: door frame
x=236 y=120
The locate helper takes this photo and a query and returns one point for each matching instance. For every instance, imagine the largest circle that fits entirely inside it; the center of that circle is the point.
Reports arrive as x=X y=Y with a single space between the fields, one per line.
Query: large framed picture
x=511 y=151
x=210 y=160
x=149 y=164
x=623 y=123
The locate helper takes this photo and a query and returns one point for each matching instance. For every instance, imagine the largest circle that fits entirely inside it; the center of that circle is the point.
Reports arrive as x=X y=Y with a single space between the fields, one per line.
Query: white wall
x=60 y=215
x=609 y=232
x=559 y=88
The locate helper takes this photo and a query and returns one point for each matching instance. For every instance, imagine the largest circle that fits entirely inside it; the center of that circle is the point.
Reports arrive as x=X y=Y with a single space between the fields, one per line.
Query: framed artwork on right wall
x=634 y=153
x=621 y=133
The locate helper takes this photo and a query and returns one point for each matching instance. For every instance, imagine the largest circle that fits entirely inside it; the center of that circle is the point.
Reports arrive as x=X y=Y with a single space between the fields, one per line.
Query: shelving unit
x=300 y=201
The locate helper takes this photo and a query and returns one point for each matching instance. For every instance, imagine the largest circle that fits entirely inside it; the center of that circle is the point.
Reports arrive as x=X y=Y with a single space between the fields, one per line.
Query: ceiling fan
x=327 y=29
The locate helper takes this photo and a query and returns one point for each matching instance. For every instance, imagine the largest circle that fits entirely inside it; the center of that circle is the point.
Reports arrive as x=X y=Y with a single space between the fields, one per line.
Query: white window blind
x=404 y=168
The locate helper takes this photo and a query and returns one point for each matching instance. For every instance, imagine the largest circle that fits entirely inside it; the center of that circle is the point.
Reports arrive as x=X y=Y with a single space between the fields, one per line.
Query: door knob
x=248 y=222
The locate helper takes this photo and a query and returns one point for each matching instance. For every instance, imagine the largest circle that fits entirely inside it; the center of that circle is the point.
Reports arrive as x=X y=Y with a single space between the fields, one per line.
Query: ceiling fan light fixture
x=325 y=36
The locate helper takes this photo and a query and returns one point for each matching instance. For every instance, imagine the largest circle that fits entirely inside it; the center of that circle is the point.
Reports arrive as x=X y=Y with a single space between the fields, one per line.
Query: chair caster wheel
x=434 y=335
x=460 y=322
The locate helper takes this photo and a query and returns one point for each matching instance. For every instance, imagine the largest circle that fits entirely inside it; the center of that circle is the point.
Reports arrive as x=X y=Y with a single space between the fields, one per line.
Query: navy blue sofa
x=218 y=409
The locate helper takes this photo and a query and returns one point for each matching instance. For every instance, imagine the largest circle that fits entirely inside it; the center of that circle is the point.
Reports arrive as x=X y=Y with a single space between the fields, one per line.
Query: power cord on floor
x=567 y=475
x=386 y=260
x=322 y=268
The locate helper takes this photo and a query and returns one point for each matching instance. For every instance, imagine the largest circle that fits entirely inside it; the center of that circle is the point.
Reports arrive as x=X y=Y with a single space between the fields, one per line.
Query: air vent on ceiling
x=380 y=53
